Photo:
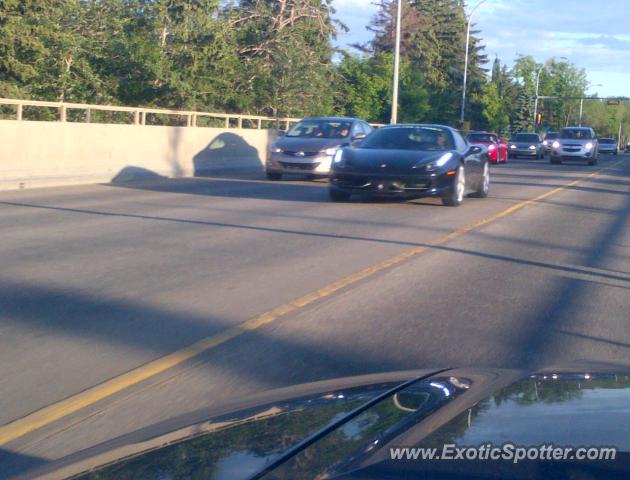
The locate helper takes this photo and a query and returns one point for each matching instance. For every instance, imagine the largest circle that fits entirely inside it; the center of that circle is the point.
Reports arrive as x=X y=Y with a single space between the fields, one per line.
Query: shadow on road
x=228 y=155
x=13 y=463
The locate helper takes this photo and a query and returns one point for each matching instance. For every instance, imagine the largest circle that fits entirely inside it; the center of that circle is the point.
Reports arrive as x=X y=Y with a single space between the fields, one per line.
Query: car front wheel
x=455 y=196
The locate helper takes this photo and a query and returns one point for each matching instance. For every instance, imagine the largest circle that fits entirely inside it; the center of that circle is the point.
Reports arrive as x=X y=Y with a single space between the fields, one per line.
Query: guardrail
x=138 y=115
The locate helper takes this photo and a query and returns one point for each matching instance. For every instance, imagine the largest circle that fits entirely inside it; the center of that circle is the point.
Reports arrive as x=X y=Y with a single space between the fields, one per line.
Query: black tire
x=484 y=187
x=338 y=195
x=593 y=162
x=274 y=176
x=455 y=196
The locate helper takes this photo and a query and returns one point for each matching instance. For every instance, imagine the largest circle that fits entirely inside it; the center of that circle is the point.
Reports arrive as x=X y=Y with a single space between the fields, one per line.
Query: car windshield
x=320 y=129
x=552 y=136
x=410 y=138
x=575 y=133
x=526 y=137
x=482 y=138
x=607 y=141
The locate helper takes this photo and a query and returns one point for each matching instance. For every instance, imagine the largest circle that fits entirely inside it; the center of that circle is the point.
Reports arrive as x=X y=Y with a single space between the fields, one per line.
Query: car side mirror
x=281 y=133
x=474 y=150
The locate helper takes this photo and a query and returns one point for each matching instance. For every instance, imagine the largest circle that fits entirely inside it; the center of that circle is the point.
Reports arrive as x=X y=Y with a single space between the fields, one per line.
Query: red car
x=497 y=147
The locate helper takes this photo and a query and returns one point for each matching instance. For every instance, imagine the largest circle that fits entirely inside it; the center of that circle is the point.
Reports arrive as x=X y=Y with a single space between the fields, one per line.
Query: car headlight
x=588 y=146
x=545 y=143
x=491 y=147
x=532 y=147
x=440 y=162
x=338 y=155
x=330 y=151
x=556 y=144
x=276 y=150
x=512 y=147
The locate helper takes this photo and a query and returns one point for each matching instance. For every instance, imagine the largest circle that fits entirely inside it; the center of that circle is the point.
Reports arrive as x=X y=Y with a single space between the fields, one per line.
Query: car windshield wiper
x=315 y=437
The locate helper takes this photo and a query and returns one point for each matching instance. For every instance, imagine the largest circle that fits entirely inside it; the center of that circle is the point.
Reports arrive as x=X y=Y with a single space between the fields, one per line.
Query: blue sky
x=594 y=35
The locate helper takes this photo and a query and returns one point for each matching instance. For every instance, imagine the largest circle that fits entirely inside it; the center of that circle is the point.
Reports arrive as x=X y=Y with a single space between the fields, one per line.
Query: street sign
x=613 y=102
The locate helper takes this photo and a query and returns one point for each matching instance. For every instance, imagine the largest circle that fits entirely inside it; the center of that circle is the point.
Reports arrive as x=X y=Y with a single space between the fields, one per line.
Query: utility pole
x=582 y=103
x=394 y=118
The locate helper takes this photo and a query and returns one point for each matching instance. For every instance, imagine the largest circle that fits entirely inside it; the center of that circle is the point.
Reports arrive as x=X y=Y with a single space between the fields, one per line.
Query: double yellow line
x=63 y=408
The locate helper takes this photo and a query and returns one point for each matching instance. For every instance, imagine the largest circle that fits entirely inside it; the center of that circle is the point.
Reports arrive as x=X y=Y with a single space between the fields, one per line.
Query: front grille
x=300 y=166
x=291 y=153
x=384 y=186
x=572 y=149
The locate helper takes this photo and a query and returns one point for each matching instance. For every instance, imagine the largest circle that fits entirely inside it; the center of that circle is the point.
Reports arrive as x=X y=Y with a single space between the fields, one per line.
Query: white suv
x=575 y=143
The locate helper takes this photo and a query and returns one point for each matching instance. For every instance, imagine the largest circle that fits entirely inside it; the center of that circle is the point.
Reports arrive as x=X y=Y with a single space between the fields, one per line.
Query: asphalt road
x=98 y=280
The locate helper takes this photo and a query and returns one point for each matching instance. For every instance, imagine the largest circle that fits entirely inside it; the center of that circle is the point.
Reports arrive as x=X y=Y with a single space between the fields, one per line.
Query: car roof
x=483 y=133
x=577 y=128
x=407 y=125
x=335 y=119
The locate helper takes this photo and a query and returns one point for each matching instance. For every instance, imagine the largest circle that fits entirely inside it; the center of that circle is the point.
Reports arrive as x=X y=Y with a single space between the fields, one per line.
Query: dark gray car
x=526 y=145
x=310 y=145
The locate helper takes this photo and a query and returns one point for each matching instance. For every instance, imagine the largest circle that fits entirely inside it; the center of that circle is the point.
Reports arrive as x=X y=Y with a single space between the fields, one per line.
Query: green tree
x=433 y=44
x=494 y=108
x=366 y=86
x=285 y=48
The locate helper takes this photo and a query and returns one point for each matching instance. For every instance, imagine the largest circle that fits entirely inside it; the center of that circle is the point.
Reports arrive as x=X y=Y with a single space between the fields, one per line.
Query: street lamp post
x=582 y=104
x=394 y=118
x=461 y=114
x=543 y=66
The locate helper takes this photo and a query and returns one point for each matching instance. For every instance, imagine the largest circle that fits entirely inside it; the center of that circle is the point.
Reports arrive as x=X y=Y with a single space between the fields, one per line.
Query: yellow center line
x=63 y=408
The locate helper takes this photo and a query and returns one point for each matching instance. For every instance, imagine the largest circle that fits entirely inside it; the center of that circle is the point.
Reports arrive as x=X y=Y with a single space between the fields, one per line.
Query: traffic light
x=539 y=119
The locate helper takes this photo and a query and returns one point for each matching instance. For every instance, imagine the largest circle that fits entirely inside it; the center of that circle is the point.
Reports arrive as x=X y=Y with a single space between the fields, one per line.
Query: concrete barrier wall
x=34 y=154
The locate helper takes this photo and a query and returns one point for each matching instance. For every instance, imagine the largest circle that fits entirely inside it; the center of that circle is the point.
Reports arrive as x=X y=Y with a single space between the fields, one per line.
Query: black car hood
x=366 y=160
x=309 y=144
x=321 y=432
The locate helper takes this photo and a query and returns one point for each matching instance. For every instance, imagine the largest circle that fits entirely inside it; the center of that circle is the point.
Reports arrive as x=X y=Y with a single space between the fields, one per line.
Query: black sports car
x=517 y=424
x=411 y=161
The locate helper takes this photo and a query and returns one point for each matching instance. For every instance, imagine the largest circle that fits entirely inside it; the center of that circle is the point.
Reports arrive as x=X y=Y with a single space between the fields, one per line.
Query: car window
x=320 y=129
x=576 y=133
x=482 y=137
x=460 y=143
x=527 y=137
x=411 y=138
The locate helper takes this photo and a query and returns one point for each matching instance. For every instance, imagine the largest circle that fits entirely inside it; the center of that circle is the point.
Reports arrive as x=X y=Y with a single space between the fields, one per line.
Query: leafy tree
x=366 y=87
x=285 y=47
x=494 y=108
x=433 y=44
